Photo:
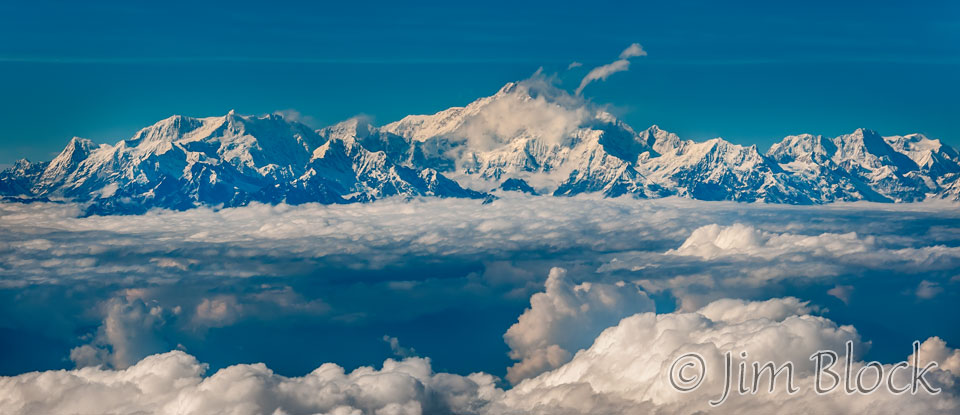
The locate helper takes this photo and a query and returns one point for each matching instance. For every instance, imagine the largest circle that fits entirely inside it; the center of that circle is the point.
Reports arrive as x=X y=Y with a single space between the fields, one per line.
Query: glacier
x=530 y=136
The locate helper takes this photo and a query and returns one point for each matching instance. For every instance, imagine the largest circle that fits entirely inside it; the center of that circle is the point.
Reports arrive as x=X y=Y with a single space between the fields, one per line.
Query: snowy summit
x=530 y=136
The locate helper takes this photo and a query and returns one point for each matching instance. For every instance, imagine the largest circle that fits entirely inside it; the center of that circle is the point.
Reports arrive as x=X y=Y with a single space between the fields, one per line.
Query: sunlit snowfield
x=508 y=290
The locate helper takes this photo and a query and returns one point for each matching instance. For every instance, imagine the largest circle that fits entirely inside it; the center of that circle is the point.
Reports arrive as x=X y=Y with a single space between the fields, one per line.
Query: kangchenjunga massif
x=530 y=136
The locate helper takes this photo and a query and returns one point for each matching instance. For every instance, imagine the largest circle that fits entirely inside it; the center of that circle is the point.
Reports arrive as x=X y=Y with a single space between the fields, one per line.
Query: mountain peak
x=534 y=109
x=865 y=134
x=171 y=129
x=510 y=87
x=530 y=131
x=359 y=127
x=80 y=142
x=21 y=165
x=77 y=148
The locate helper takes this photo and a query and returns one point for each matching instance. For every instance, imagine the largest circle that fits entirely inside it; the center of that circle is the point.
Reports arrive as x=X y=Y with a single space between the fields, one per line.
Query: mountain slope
x=865 y=166
x=182 y=162
x=531 y=132
x=530 y=136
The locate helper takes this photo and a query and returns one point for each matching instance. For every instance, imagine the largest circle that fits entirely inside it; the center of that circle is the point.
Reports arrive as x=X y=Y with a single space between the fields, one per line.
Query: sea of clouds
x=523 y=305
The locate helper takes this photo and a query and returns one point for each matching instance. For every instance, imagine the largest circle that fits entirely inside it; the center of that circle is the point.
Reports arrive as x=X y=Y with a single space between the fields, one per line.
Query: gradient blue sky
x=751 y=72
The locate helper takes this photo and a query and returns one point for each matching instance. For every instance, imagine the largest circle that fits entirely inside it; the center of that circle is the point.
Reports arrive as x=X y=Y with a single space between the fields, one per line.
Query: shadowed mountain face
x=530 y=136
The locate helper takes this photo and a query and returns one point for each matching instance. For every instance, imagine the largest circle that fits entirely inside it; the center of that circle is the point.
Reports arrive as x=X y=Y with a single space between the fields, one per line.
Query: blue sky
x=750 y=72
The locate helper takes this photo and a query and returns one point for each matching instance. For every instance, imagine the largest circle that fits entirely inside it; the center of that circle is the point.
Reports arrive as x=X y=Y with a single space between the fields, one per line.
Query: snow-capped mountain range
x=530 y=136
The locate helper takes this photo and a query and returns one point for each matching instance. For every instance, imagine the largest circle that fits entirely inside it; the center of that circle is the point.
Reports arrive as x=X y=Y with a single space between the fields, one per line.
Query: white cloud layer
x=692 y=250
x=48 y=244
x=742 y=257
x=174 y=383
x=624 y=371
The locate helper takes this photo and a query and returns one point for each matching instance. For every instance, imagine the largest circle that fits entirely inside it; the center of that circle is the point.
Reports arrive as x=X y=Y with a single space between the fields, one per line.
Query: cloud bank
x=174 y=383
x=622 y=372
x=110 y=292
x=117 y=289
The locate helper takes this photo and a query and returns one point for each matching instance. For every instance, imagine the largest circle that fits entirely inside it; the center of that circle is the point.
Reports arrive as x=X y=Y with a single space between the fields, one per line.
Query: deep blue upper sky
x=750 y=72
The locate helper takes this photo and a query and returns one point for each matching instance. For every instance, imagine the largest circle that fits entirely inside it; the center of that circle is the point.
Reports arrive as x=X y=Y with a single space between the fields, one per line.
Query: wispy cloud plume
x=619 y=65
x=297 y=116
x=633 y=51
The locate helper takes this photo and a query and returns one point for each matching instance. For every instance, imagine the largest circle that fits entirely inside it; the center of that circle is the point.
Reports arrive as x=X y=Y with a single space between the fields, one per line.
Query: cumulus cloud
x=564 y=318
x=741 y=258
x=397 y=349
x=174 y=383
x=841 y=292
x=714 y=241
x=619 y=65
x=927 y=290
x=128 y=333
x=217 y=312
x=729 y=310
x=936 y=350
x=624 y=371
